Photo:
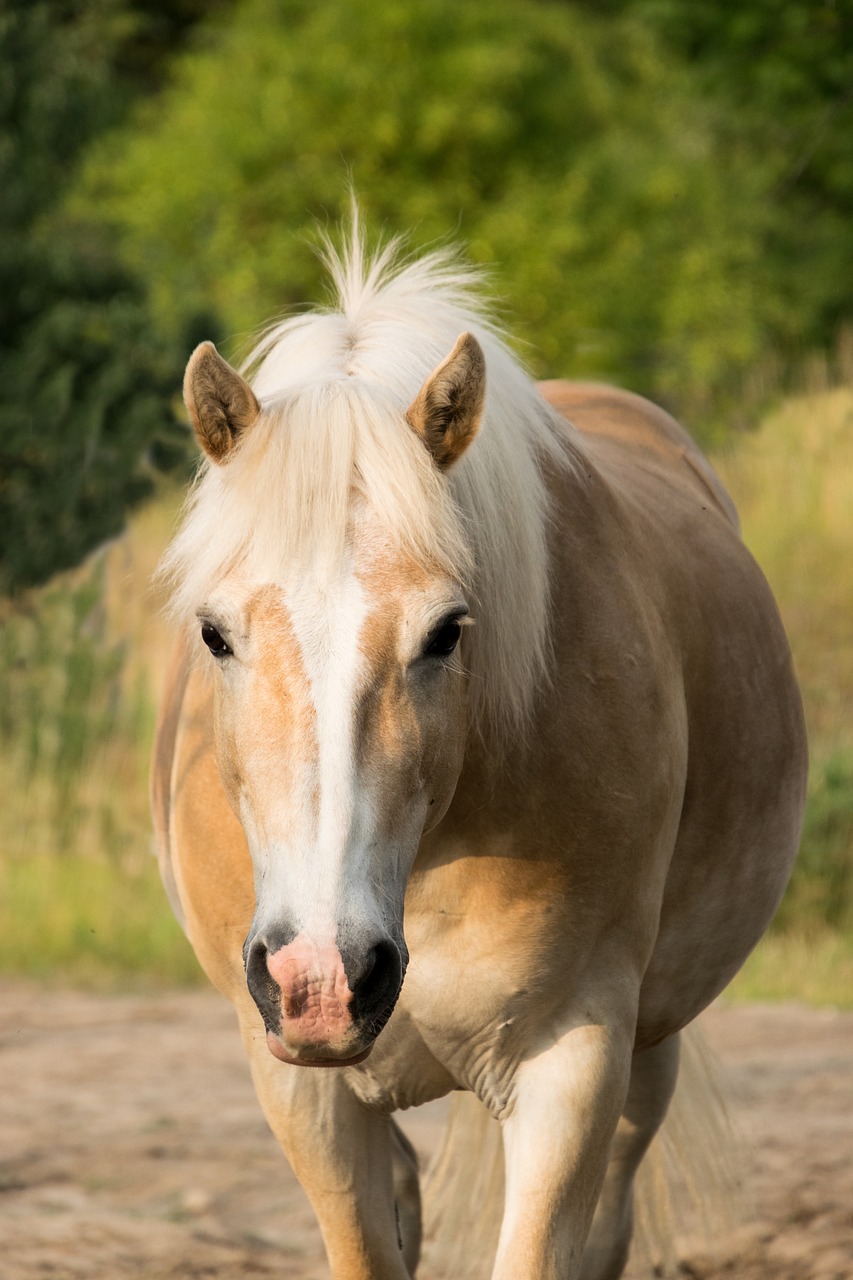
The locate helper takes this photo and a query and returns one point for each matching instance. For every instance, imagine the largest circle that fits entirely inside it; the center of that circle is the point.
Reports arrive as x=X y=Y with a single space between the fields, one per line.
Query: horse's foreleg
x=567 y=1101
x=341 y=1152
x=653 y=1076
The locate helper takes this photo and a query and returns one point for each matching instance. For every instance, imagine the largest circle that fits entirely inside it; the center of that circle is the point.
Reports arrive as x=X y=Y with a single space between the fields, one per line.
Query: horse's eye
x=444 y=640
x=214 y=641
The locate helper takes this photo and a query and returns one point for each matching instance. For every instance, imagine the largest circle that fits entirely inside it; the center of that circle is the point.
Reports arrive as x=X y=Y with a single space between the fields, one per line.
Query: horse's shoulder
x=628 y=429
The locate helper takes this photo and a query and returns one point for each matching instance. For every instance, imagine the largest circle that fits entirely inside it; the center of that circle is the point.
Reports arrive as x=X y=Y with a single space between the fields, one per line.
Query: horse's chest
x=404 y=1072
x=448 y=1035
x=401 y=1071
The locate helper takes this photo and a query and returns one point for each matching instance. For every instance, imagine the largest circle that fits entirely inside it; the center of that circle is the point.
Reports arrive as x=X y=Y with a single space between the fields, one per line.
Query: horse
x=482 y=763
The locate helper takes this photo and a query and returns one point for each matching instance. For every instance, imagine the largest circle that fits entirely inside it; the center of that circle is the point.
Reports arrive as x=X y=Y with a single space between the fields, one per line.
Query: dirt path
x=131 y=1144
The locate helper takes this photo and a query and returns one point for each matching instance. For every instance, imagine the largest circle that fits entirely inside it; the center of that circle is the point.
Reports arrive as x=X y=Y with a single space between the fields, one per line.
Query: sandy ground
x=131 y=1144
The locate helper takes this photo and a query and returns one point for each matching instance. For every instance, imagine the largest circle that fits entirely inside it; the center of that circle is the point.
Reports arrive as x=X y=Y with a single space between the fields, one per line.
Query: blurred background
x=662 y=194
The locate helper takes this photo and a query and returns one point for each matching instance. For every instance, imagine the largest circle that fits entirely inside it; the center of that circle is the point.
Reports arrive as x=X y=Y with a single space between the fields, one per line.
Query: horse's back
x=626 y=427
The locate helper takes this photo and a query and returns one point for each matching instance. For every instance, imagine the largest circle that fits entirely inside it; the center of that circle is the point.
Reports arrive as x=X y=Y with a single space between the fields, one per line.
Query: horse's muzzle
x=324 y=1004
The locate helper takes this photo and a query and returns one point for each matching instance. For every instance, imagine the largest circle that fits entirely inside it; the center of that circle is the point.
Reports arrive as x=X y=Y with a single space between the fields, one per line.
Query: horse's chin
x=310 y=1058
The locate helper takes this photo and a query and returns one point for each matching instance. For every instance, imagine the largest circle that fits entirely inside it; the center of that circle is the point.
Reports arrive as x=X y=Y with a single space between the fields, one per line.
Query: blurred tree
x=86 y=383
x=569 y=149
x=783 y=76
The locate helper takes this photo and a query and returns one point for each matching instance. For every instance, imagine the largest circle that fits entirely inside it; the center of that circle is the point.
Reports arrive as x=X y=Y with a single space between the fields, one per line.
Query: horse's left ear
x=446 y=411
x=220 y=402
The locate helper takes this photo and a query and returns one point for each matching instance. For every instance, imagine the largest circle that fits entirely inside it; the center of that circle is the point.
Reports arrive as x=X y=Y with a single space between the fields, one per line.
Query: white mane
x=334 y=386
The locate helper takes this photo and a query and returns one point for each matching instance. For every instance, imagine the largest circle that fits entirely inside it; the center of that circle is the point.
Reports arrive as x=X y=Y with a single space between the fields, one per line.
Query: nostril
x=258 y=978
x=369 y=968
x=378 y=984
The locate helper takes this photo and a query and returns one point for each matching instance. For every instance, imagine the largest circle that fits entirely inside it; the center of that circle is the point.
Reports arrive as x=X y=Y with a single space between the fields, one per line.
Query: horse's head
x=340 y=717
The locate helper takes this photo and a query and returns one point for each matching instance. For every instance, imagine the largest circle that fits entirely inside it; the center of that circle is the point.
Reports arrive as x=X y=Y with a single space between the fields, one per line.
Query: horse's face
x=340 y=725
x=340 y=720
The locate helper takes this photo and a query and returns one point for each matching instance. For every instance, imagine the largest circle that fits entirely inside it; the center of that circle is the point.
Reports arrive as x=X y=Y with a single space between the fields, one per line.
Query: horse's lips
x=278 y=1050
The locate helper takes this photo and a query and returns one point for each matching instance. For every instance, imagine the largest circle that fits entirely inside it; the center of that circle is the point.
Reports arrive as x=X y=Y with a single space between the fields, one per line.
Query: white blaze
x=313 y=881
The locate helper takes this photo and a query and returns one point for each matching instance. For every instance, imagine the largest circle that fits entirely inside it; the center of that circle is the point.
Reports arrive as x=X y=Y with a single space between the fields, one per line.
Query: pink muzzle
x=316 y=1003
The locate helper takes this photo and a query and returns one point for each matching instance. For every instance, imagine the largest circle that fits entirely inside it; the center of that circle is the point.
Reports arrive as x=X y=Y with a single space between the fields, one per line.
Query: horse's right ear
x=220 y=402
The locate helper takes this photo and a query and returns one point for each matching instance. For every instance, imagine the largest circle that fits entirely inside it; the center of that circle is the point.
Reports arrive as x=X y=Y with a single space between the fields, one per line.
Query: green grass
x=80 y=666
x=815 y=967
x=821 y=889
x=87 y=923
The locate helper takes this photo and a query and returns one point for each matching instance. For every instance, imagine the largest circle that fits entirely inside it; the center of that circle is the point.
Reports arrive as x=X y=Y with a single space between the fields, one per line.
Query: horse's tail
x=687 y=1194
x=464 y=1193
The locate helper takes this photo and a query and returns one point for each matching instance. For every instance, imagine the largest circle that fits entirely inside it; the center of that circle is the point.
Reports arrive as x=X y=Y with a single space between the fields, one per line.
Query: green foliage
x=90 y=924
x=664 y=187
x=78 y=673
x=806 y=963
x=86 y=384
x=85 y=413
x=783 y=76
x=567 y=150
x=65 y=706
x=821 y=891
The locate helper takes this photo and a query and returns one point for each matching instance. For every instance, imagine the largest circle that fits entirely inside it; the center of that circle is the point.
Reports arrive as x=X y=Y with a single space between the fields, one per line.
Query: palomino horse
x=484 y=765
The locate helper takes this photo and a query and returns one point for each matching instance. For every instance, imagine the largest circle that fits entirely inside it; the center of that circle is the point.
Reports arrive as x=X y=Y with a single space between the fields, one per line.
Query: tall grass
x=792 y=481
x=80 y=672
x=80 y=669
